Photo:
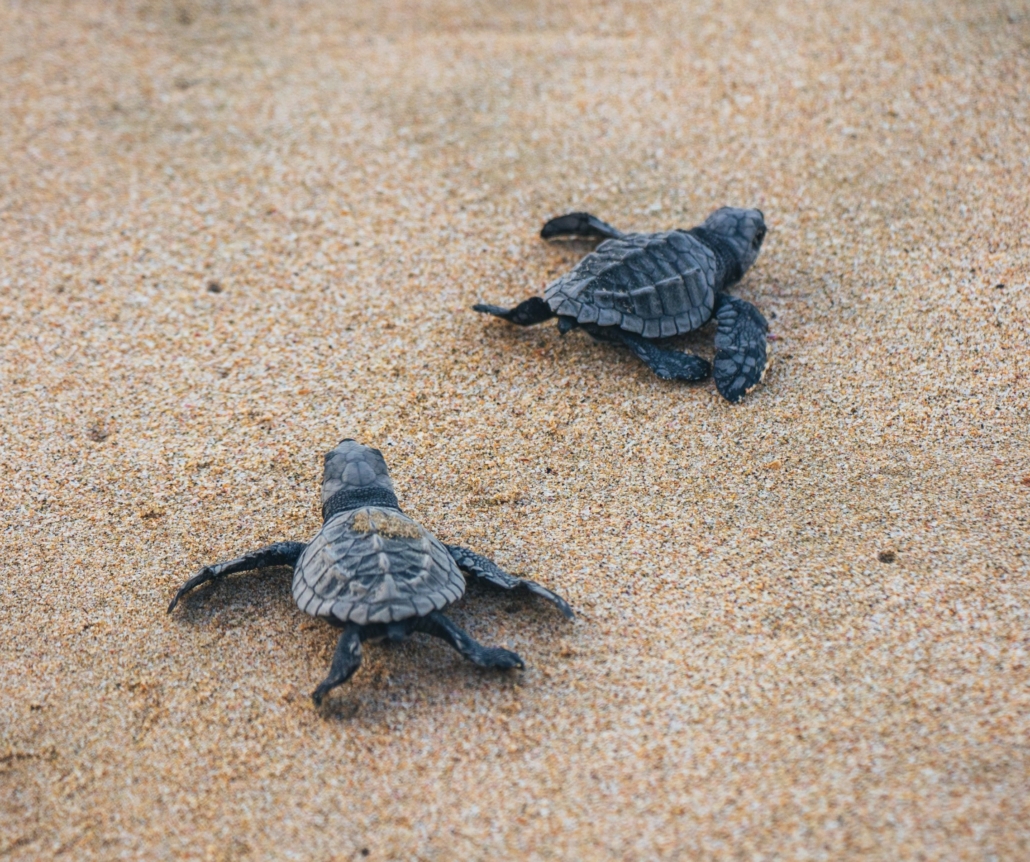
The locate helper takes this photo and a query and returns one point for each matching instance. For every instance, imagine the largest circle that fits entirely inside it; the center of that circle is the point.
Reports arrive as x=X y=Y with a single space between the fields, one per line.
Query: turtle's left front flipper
x=739 y=345
x=279 y=554
x=487 y=570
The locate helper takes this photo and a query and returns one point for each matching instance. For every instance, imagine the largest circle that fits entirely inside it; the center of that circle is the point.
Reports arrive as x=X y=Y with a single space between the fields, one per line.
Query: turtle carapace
x=635 y=288
x=374 y=572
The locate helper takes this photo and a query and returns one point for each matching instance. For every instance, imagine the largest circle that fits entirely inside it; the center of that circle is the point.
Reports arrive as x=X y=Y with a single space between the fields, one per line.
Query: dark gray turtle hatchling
x=637 y=287
x=373 y=571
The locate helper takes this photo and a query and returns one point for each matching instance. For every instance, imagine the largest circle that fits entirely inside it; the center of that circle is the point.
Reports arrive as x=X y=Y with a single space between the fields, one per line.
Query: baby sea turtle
x=373 y=571
x=636 y=287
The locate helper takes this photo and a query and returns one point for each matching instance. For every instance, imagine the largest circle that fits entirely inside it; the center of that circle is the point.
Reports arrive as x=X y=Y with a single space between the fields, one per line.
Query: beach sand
x=233 y=233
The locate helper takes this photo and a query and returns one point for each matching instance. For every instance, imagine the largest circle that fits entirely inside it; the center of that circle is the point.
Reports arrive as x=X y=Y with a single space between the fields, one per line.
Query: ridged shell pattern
x=654 y=284
x=373 y=565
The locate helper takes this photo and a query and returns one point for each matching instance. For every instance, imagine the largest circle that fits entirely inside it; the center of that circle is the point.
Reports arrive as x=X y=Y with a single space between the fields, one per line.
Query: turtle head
x=743 y=229
x=351 y=466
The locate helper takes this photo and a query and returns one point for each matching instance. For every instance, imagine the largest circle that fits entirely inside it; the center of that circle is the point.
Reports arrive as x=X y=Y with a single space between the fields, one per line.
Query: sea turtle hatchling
x=636 y=287
x=374 y=572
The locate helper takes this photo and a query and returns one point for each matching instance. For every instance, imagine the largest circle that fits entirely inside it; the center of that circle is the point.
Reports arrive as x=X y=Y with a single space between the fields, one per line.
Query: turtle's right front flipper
x=279 y=554
x=533 y=310
x=487 y=570
x=740 y=347
x=579 y=224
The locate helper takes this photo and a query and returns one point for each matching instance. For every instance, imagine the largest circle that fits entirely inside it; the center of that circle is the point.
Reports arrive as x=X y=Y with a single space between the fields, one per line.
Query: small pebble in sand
x=97 y=433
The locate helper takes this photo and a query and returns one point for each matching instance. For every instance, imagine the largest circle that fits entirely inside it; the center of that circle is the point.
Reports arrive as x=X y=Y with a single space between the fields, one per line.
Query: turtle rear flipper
x=440 y=626
x=346 y=660
x=531 y=311
x=667 y=364
x=579 y=224
x=739 y=345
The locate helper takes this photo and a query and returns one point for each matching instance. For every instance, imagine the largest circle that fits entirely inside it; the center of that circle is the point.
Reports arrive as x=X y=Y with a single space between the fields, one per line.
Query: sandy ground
x=234 y=232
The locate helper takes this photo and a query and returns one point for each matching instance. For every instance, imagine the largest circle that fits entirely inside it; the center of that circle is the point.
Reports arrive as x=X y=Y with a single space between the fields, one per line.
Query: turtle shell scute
x=657 y=285
x=373 y=565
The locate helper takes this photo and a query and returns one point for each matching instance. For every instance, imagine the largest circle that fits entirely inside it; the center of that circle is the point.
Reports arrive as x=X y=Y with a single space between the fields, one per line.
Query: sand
x=233 y=233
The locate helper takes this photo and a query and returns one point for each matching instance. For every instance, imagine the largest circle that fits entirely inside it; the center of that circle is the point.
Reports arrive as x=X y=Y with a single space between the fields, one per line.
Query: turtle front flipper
x=531 y=311
x=667 y=364
x=489 y=571
x=579 y=224
x=279 y=554
x=439 y=626
x=346 y=660
x=740 y=347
